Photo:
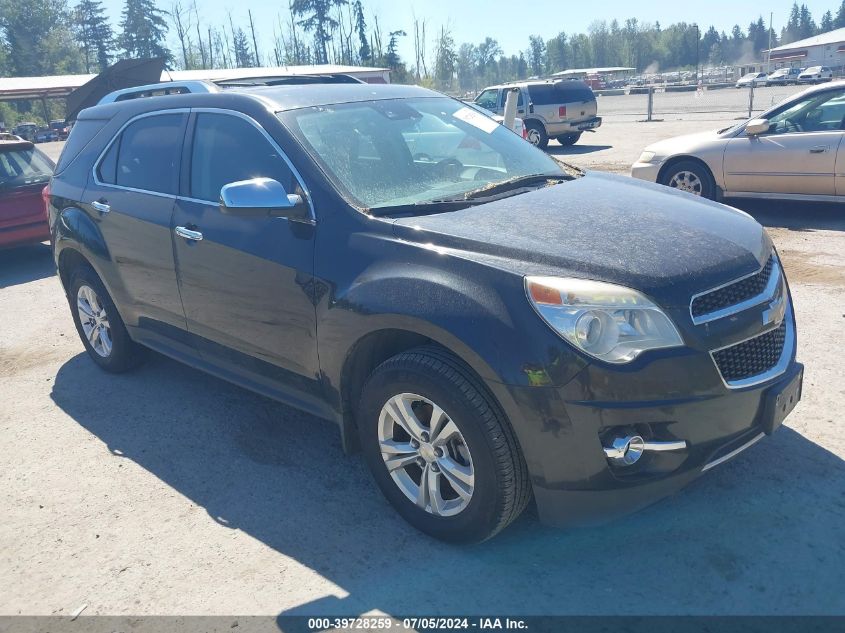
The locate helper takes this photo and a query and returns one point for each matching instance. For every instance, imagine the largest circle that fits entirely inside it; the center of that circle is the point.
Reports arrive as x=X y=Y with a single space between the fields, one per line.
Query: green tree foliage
x=143 y=29
x=94 y=34
x=36 y=38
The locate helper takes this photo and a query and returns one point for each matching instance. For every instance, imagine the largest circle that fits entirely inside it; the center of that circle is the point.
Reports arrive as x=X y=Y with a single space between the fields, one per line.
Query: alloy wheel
x=94 y=320
x=687 y=181
x=533 y=136
x=426 y=454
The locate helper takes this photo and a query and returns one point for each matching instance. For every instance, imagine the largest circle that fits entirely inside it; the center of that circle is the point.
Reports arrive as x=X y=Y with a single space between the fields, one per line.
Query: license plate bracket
x=780 y=404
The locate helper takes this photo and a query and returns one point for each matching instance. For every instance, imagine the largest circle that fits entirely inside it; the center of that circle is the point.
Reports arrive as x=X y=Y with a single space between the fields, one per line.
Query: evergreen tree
x=240 y=47
x=445 y=58
x=143 y=29
x=317 y=19
x=536 y=54
x=94 y=34
x=364 y=50
x=826 y=23
x=839 y=20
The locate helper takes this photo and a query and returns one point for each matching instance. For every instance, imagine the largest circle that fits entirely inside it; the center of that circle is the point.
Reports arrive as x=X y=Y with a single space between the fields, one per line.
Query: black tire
x=569 y=139
x=537 y=131
x=502 y=486
x=125 y=354
x=707 y=187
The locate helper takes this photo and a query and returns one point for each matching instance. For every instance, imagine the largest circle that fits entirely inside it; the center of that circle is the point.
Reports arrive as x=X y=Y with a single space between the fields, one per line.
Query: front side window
x=146 y=155
x=24 y=166
x=227 y=149
x=399 y=152
x=818 y=113
x=487 y=99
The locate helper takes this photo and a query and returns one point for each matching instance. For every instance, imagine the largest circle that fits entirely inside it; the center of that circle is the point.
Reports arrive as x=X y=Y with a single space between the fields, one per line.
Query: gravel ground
x=168 y=491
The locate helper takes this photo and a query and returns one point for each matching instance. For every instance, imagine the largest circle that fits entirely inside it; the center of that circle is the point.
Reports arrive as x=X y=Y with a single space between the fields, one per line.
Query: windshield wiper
x=514 y=183
x=421 y=208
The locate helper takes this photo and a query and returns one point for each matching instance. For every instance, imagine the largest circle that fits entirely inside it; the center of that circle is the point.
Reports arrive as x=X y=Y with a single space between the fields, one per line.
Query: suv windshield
x=399 y=152
x=23 y=166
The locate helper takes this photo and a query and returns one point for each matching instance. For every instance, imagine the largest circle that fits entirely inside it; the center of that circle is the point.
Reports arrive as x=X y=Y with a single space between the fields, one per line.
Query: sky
x=473 y=20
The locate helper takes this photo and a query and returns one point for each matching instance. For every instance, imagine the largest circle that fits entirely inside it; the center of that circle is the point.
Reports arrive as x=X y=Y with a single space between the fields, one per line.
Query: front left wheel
x=440 y=449
x=690 y=176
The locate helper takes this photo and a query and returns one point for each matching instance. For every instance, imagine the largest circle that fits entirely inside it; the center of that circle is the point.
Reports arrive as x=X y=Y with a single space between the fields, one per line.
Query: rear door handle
x=821 y=149
x=101 y=206
x=188 y=234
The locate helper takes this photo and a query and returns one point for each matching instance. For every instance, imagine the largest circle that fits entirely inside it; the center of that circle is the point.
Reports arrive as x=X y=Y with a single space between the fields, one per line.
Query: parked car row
x=785 y=76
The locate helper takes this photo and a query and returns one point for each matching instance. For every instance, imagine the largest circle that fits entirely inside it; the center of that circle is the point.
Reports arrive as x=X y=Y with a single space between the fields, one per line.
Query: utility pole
x=769 y=52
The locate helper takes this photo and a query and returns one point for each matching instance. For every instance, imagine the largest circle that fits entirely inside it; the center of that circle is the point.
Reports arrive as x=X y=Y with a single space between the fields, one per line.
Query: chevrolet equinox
x=485 y=324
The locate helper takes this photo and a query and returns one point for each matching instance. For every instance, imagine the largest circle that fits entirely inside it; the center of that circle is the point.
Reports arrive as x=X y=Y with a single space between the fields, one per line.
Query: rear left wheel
x=99 y=325
x=439 y=449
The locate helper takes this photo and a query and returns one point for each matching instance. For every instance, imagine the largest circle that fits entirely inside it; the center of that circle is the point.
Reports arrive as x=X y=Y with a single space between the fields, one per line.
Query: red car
x=24 y=172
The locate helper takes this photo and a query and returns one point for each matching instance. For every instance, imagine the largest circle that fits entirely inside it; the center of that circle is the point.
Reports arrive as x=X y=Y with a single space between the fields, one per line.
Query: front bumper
x=646 y=171
x=574 y=482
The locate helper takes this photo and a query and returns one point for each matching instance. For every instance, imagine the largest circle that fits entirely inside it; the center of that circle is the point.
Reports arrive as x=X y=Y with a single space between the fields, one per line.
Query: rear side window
x=562 y=92
x=23 y=166
x=80 y=135
x=227 y=149
x=146 y=155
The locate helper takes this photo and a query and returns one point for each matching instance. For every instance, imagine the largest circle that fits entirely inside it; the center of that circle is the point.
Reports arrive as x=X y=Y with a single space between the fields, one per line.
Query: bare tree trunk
x=199 y=35
x=254 y=40
x=182 y=23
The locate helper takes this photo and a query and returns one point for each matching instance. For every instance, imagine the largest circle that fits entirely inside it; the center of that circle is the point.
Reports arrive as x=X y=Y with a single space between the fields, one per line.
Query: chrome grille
x=753 y=357
x=733 y=293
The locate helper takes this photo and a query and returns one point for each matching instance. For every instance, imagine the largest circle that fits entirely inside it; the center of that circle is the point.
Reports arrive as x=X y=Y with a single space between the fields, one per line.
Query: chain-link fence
x=679 y=103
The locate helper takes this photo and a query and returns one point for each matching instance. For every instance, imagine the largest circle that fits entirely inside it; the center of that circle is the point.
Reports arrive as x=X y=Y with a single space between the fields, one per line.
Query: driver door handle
x=819 y=149
x=188 y=234
x=101 y=206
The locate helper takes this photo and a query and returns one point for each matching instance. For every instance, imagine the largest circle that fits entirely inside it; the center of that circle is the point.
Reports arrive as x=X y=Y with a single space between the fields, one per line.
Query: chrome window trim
x=114 y=138
x=260 y=128
x=176 y=196
x=733 y=453
x=767 y=293
x=783 y=362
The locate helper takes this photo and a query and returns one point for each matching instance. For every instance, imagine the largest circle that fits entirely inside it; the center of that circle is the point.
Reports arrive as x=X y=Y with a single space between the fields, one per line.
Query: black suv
x=484 y=323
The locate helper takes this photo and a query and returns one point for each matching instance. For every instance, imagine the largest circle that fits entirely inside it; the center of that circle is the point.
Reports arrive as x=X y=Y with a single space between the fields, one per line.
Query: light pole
x=697 y=40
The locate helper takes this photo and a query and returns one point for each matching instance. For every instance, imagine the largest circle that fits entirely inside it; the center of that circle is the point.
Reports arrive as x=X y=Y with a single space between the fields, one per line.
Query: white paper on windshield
x=483 y=123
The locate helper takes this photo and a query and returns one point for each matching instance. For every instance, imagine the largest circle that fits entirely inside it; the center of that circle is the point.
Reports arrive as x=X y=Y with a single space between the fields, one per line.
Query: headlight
x=646 y=157
x=609 y=322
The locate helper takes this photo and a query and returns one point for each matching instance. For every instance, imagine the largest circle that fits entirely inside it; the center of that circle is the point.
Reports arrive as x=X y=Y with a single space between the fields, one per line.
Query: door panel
x=246 y=286
x=135 y=222
x=801 y=163
x=798 y=153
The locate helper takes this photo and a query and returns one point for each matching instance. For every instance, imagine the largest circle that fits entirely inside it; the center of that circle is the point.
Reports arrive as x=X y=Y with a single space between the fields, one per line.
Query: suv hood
x=663 y=242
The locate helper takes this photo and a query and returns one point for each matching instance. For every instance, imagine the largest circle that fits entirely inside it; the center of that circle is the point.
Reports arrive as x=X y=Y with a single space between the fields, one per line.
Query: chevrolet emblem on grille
x=773 y=315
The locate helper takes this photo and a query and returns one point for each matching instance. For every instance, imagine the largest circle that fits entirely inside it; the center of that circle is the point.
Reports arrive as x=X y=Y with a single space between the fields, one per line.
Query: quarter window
x=228 y=149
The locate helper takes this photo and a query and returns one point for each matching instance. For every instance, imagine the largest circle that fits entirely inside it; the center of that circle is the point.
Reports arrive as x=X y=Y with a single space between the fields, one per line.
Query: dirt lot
x=167 y=491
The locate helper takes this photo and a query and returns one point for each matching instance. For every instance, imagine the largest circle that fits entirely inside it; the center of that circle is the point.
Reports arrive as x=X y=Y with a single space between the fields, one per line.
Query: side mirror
x=756 y=127
x=262 y=198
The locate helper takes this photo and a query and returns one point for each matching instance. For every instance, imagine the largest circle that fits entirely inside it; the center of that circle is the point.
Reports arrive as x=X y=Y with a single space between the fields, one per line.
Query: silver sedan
x=789 y=152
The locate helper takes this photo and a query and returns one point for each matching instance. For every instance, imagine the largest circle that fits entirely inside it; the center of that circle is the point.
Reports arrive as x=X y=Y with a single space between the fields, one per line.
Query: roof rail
x=159 y=89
